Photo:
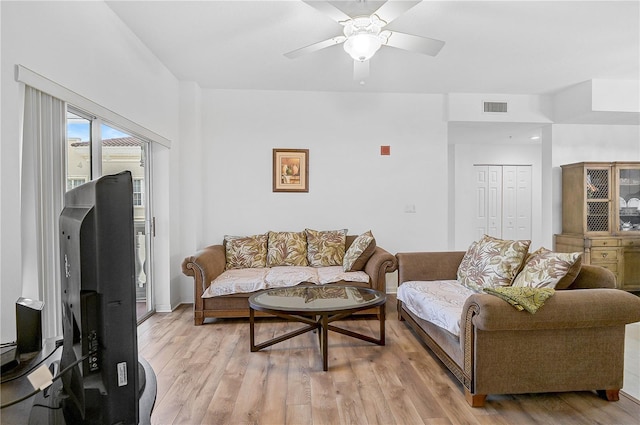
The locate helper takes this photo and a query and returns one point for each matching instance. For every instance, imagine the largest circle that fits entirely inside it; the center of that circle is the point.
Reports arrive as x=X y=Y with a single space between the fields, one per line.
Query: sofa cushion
x=325 y=248
x=236 y=281
x=287 y=249
x=245 y=251
x=439 y=301
x=290 y=275
x=336 y=274
x=547 y=269
x=359 y=252
x=492 y=262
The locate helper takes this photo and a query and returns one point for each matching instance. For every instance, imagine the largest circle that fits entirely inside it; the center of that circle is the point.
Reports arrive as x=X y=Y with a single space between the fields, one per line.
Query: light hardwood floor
x=632 y=360
x=207 y=375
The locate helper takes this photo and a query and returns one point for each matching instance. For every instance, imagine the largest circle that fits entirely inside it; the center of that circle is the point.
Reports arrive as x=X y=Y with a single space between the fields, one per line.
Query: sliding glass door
x=94 y=149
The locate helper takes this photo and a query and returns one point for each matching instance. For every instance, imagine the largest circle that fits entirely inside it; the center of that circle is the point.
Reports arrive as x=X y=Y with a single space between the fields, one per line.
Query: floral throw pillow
x=287 y=249
x=492 y=262
x=245 y=252
x=325 y=248
x=359 y=252
x=545 y=269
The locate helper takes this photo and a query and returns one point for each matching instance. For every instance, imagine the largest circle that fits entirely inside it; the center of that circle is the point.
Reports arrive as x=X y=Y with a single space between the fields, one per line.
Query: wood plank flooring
x=207 y=375
x=632 y=360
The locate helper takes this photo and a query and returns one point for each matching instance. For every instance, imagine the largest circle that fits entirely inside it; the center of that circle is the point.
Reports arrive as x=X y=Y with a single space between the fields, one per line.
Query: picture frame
x=290 y=170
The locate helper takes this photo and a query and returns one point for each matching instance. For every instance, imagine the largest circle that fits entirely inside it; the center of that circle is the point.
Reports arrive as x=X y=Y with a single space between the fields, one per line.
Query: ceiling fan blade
x=315 y=47
x=394 y=8
x=360 y=71
x=414 y=43
x=328 y=9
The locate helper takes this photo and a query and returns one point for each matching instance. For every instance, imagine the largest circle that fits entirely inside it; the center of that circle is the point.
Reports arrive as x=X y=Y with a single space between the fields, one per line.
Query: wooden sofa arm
x=578 y=308
x=378 y=265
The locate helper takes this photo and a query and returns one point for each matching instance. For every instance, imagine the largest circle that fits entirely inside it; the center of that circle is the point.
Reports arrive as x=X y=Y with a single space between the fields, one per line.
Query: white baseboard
x=164 y=308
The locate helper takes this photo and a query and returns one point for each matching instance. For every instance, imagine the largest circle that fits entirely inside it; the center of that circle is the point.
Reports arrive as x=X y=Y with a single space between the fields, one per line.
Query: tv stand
x=149 y=390
x=46 y=409
x=43 y=410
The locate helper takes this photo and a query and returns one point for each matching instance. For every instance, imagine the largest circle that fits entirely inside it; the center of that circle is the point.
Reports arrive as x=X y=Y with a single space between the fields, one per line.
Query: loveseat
x=574 y=342
x=209 y=264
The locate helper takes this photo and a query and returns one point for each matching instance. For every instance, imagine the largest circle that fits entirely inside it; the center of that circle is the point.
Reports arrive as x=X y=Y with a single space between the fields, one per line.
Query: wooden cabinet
x=631 y=263
x=601 y=217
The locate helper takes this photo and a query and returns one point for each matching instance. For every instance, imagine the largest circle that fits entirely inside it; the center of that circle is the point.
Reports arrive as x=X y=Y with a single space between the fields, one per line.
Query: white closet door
x=502 y=201
x=481 y=192
x=523 y=203
x=494 y=202
x=510 y=202
x=488 y=201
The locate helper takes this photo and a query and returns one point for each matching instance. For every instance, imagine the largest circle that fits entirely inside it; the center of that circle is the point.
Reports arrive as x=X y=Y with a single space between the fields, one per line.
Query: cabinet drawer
x=604 y=242
x=631 y=242
x=613 y=267
x=603 y=255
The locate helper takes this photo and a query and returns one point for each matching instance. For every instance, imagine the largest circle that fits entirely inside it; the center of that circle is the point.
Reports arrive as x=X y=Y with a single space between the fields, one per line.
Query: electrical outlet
x=410 y=208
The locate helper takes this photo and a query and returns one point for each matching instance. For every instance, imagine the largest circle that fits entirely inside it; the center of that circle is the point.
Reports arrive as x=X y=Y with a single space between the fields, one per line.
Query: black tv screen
x=98 y=303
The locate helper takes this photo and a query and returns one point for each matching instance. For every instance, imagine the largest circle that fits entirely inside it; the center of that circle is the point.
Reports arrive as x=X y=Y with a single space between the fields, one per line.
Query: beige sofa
x=207 y=264
x=575 y=342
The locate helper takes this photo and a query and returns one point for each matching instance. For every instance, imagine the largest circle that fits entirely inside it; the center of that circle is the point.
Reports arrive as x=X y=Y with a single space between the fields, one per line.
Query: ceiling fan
x=364 y=35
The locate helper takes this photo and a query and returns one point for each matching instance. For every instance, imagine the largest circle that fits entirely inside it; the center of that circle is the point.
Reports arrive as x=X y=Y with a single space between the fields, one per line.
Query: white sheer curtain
x=42 y=192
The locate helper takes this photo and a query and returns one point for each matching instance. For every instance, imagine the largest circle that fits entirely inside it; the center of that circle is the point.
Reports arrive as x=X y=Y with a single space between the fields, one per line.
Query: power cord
x=58 y=376
x=13 y=378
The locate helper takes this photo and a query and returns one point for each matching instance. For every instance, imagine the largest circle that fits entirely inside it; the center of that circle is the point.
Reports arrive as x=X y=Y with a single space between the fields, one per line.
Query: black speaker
x=29 y=325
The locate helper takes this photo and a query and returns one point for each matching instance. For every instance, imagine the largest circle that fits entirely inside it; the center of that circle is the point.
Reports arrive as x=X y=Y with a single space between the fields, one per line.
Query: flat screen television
x=98 y=303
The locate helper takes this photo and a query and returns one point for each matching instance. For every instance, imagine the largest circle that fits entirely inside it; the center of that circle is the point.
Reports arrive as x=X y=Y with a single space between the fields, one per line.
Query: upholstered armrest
x=380 y=263
x=594 y=277
x=579 y=308
x=428 y=265
x=205 y=265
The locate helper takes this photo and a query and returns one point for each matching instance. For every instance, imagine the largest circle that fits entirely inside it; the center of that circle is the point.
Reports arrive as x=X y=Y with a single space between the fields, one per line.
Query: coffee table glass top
x=317 y=298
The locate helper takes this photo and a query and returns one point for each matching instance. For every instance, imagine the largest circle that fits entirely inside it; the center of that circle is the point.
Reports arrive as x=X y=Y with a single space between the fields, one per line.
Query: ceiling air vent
x=499 y=107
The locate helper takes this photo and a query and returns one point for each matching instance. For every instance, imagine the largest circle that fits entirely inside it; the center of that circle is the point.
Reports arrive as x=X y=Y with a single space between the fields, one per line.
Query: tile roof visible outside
x=120 y=141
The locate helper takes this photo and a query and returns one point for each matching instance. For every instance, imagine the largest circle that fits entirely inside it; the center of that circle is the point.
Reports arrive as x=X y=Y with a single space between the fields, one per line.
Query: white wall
x=598 y=101
x=191 y=188
x=350 y=184
x=84 y=47
x=469 y=107
x=468 y=155
x=560 y=144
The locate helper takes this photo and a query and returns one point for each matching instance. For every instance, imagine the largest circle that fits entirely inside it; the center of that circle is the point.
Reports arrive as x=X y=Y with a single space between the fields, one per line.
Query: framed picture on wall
x=290 y=170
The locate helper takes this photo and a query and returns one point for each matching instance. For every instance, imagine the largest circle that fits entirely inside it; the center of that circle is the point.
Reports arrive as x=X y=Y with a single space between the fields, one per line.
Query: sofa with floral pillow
x=506 y=321
x=225 y=275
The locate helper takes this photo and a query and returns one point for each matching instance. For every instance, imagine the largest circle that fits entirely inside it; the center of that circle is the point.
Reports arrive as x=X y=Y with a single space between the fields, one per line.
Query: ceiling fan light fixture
x=363 y=37
x=362 y=47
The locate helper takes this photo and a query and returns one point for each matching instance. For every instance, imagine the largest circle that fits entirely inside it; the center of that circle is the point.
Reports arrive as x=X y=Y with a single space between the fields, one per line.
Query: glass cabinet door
x=628 y=200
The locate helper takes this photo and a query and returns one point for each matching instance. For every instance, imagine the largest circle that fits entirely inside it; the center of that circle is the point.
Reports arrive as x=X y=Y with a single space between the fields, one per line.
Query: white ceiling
x=518 y=47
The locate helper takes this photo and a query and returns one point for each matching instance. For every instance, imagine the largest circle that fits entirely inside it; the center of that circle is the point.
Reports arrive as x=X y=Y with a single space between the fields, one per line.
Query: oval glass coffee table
x=317 y=307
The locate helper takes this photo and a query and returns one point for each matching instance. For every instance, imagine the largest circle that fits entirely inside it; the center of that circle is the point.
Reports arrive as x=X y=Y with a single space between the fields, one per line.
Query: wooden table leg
x=382 y=321
x=252 y=330
x=324 y=330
